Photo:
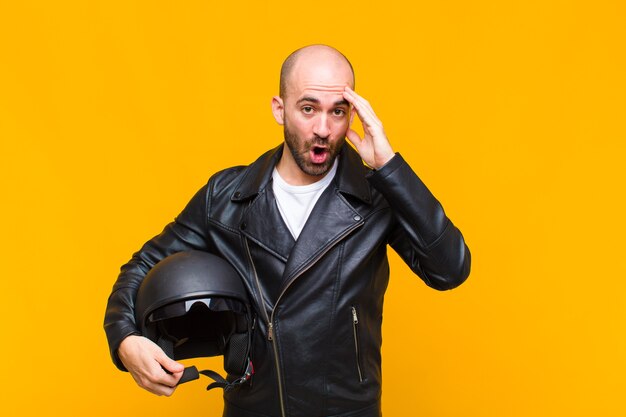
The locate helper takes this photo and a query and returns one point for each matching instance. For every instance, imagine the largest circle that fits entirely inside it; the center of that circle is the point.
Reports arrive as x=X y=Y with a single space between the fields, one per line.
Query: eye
x=307 y=109
x=339 y=112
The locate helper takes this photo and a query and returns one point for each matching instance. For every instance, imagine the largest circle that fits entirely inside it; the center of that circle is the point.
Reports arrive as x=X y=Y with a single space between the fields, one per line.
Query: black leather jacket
x=319 y=300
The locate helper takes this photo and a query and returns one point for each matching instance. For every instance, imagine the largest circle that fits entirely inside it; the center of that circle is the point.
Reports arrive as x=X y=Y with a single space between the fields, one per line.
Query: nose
x=322 y=127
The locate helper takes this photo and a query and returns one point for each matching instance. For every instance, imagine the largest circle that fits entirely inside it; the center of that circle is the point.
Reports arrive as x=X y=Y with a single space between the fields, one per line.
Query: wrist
x=382 y=161
x=125 y=343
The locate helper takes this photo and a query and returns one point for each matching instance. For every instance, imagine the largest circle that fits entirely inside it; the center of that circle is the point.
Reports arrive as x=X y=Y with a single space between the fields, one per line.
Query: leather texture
x=323 y=294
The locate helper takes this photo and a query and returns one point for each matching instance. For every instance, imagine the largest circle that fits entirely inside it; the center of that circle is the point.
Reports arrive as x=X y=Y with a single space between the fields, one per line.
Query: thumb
x=167 y=363
x=354 y=138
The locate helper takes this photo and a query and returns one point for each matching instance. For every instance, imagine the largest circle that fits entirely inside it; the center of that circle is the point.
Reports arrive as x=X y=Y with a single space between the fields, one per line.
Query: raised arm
x=424 y=237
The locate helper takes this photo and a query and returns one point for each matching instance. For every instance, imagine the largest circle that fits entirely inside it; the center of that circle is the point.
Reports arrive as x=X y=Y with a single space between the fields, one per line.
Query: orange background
x=113 y=113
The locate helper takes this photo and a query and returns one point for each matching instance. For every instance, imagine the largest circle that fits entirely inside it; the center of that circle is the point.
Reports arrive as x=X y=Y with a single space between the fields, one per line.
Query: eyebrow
x=315 y=100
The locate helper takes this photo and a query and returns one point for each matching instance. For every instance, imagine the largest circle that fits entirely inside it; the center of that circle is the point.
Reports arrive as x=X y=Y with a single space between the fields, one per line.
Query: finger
x=168 y=363
x=367 y=117
x=161 y=370
x=166 y=378
x=159 y=389
x=362 y=106
x=353 y=98
x=363 y=118
x=162 y=381
x=169 y=380
x=155 y=381
x=166 y=391
x=354 y=138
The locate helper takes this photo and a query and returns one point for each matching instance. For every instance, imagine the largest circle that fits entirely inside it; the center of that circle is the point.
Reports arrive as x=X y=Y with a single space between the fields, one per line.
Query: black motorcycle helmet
x=194 y=304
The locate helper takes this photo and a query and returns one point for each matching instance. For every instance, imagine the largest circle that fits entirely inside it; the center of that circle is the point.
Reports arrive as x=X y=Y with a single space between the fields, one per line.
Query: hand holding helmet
x=149 y=366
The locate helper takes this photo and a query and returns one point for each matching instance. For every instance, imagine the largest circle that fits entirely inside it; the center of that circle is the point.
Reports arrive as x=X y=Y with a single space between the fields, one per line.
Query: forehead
x=320 y=92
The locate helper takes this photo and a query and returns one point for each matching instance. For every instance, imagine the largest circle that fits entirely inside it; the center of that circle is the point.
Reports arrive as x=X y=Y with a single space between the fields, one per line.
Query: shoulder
x=226 y=177
x=244 y=181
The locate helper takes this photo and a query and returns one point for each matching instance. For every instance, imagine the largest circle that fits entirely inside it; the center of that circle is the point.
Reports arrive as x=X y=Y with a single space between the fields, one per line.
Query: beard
x=301 y=151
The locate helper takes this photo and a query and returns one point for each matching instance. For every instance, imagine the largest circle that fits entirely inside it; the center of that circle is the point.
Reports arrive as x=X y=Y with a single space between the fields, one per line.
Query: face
x=315 y=133
x=315 y=115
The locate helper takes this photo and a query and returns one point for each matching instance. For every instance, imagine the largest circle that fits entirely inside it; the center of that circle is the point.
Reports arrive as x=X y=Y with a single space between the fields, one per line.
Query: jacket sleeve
x=423 y=236
x=188 y=231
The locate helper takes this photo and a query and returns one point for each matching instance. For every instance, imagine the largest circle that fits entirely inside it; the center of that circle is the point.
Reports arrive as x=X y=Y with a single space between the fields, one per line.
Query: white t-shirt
x=295 y=202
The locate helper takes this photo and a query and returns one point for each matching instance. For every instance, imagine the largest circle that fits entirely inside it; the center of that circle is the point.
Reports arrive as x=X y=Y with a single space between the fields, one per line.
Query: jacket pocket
x=357 y=352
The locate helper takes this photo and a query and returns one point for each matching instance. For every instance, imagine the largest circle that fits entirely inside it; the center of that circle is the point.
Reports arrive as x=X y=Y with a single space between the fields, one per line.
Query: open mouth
x=319 y=154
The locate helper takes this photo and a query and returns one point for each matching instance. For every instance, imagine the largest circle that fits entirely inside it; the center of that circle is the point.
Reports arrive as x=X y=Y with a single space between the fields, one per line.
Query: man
x=306 y=226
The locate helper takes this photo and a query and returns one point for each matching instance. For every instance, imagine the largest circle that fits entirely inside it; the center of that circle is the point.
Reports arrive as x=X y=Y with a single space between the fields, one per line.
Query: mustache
x=318 y=140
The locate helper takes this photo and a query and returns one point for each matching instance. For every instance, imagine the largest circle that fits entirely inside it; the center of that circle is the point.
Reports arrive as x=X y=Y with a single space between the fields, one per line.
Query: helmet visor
x=216 y=304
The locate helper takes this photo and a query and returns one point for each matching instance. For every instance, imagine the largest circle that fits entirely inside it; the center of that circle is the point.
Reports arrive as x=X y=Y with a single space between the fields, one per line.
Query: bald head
x=320 y=58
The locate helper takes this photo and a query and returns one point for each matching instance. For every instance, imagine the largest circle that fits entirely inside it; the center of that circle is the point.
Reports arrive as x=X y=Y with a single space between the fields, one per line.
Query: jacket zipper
x=355 y=332
x=270 y=320
x=256 y=278
x=270 y=331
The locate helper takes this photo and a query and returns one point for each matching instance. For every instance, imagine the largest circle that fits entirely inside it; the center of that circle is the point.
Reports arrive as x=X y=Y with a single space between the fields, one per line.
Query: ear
x=278 y=109
x=352 y=112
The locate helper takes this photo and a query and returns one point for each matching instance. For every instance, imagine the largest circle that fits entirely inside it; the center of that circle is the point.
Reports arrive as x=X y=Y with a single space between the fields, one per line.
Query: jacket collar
x=350 y=177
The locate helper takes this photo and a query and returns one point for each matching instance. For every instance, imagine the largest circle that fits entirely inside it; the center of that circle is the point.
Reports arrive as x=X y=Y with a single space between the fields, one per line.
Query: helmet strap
x=191 y=373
